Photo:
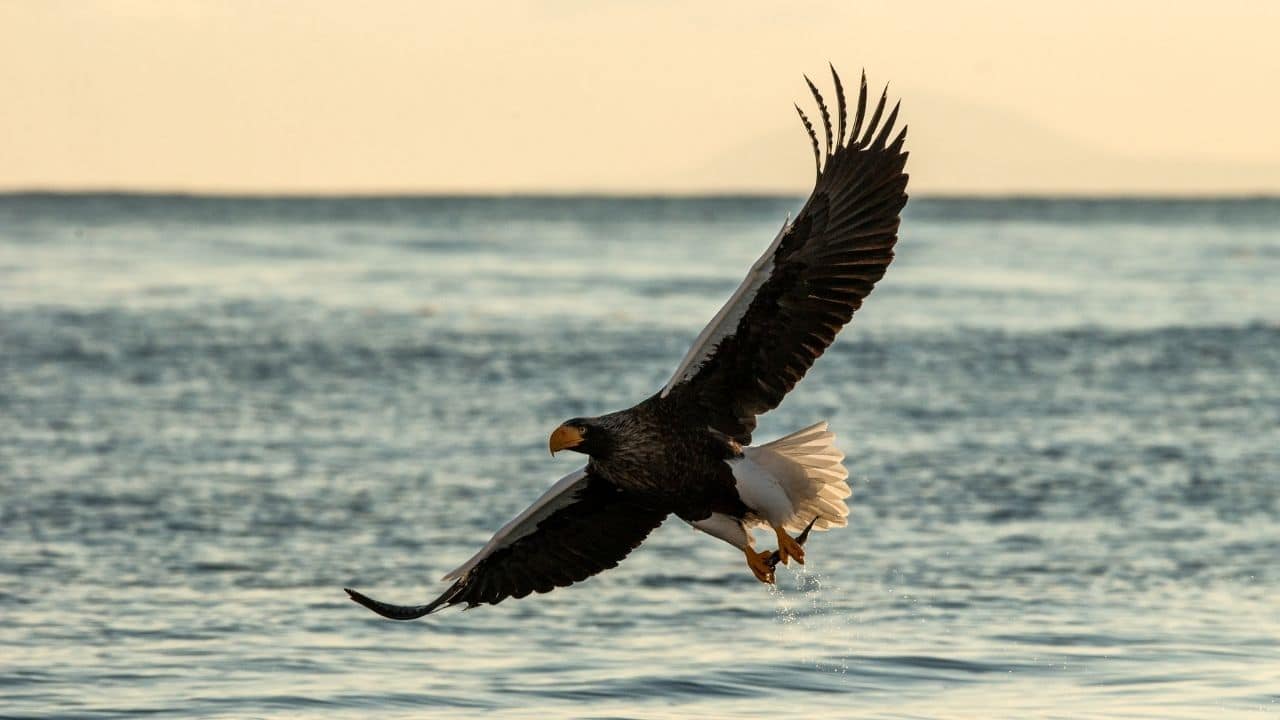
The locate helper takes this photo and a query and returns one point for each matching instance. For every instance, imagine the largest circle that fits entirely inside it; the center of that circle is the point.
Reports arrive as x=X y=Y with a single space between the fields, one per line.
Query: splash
x=812 y=623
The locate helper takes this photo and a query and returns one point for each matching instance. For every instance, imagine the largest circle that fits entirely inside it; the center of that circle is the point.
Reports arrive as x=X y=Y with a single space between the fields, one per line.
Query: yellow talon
x=757 y=561
x=787 y=546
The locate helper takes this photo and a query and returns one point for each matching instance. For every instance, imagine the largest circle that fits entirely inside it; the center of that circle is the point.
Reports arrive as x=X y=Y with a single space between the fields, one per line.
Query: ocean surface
x=1062 y=422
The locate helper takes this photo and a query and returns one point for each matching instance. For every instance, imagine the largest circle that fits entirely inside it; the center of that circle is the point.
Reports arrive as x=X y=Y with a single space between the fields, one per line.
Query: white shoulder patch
x=726 y=321
x=559 y=496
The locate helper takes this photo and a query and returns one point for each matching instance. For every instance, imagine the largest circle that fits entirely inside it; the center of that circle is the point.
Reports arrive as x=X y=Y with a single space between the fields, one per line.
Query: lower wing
x=582 y=526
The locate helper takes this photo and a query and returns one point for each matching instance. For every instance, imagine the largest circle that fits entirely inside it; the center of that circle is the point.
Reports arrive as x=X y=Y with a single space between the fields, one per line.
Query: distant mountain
x=960 y=147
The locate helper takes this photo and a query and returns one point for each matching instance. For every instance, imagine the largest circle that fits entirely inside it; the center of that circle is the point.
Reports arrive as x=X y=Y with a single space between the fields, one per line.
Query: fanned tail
x=808 y=466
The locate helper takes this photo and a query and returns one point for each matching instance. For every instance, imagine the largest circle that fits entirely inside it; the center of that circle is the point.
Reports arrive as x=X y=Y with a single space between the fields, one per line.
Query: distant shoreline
x=38 y=193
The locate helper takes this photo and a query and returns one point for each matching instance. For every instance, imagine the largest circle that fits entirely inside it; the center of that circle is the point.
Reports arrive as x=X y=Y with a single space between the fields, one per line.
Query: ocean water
x=1062 y=422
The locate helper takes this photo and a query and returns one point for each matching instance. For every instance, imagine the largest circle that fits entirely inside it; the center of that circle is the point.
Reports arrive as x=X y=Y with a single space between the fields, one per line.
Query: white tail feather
x=807 y=465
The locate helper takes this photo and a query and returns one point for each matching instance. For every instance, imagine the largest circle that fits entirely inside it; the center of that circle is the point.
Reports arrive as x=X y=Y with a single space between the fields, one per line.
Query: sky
x=563 y=96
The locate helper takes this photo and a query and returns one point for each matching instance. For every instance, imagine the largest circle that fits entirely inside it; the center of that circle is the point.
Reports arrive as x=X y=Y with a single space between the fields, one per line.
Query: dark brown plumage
x=591 y=534
x=830 y=258
x=684 y=450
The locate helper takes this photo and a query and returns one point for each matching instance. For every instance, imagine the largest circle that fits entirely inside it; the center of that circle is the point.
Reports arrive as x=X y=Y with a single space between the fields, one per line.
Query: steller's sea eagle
x=687 y=449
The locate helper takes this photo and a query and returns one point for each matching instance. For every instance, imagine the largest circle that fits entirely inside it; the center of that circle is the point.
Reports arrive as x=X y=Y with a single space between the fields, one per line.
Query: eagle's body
x=687 y=449
x=662 y=460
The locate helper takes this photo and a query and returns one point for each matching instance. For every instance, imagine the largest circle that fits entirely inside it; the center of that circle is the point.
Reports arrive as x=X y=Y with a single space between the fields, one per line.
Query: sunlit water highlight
x=1061 y=419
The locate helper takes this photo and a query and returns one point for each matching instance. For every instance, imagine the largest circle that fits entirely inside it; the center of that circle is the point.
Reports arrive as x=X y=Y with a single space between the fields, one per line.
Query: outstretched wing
x=810 y=281
x=581 y=526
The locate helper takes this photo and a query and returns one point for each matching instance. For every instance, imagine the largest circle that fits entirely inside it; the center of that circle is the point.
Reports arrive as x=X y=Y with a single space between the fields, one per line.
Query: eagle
x=686 y=450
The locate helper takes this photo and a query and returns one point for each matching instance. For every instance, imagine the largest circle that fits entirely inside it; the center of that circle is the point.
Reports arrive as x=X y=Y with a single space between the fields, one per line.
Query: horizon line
x=613 y=195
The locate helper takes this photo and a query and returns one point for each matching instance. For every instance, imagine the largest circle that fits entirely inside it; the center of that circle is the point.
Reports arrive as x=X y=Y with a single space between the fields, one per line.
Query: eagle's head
x=589 y=436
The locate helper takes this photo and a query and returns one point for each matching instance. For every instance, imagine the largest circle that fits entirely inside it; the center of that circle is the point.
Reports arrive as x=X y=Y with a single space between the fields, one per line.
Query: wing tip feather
x=813 y=139
x=841 y=106
x=826 y=114
x=396 y=612
x=874 y=122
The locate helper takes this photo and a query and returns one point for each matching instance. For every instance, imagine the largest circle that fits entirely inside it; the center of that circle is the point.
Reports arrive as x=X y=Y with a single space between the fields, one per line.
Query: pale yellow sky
x=574 y=95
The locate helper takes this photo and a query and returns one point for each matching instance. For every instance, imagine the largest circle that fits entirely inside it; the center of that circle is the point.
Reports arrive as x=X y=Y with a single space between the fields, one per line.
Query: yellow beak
x=565 y=437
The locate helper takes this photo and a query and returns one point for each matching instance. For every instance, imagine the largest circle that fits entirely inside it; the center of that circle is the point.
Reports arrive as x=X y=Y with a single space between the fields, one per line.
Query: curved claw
x=759 y=564
x=776 y=557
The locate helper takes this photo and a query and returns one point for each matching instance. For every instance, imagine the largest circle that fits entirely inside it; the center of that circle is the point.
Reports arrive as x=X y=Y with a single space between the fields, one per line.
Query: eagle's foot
x=788 y=547
x=759 y=564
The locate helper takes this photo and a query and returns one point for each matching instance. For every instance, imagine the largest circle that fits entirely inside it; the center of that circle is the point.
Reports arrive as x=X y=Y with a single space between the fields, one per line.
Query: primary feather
x=686 y=450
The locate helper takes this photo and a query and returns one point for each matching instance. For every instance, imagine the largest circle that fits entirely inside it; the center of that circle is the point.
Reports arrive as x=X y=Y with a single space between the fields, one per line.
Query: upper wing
x=581 y=526
x=809 y=282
